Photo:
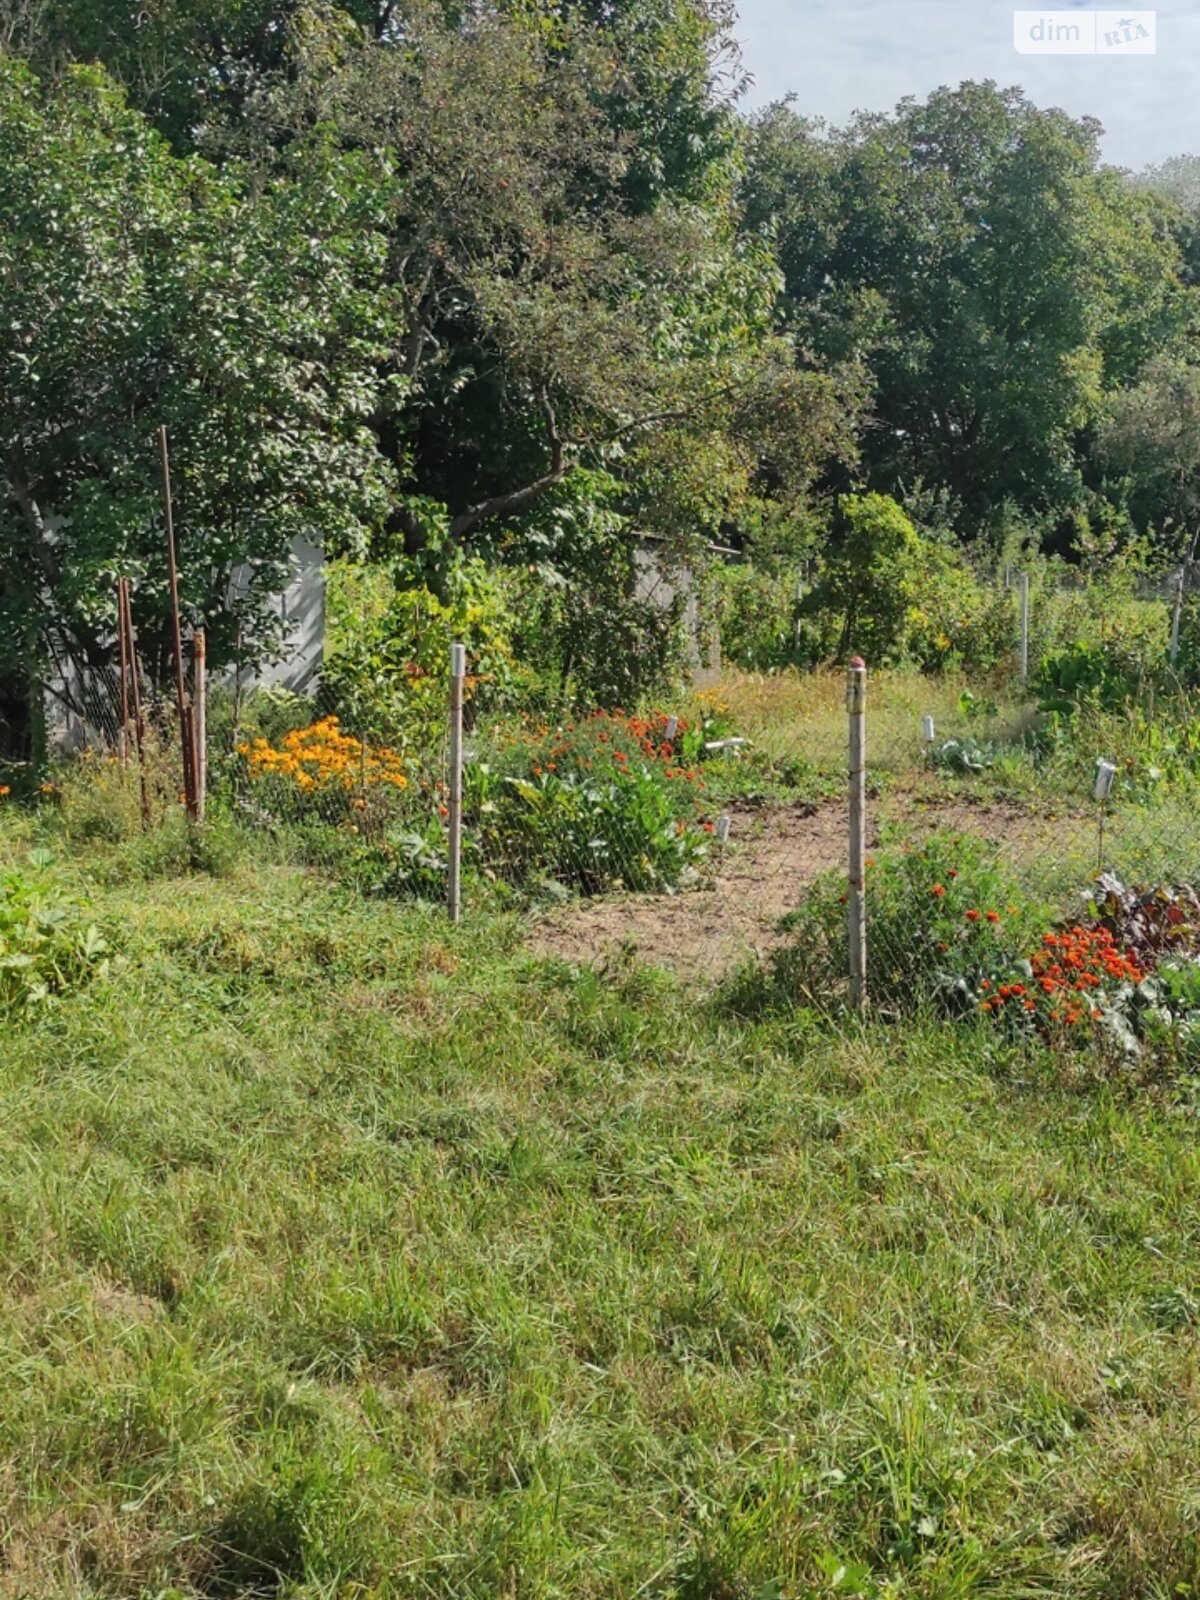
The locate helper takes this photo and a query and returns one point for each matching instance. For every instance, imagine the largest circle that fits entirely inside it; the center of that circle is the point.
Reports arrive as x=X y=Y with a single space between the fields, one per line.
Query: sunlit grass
x=349 y=1254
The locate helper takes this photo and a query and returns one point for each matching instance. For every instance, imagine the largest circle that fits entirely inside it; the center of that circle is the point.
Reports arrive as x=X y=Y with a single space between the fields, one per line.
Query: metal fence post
x=458 y=670
x=856 y=704
x=200 y=701
x=1023 y=589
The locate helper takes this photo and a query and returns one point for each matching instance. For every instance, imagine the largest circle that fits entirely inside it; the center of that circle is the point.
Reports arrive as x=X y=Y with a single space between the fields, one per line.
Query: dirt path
x=705 y=932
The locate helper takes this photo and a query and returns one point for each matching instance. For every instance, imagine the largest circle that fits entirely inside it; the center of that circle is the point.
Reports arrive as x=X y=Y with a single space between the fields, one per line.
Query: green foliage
x=997 y=280
x=589 y=833
x=47 y=945
x=868 y=584
x=588 y=617
x=142 y=289
x=957 y=620
x=387 y=662
x=755 y=613
x=944 y=916
x=1099 y=643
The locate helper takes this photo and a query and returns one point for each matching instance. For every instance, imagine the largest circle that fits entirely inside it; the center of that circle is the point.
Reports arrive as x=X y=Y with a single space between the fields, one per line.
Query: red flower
x=938 y=889
x=993 y=916
x=972 y=916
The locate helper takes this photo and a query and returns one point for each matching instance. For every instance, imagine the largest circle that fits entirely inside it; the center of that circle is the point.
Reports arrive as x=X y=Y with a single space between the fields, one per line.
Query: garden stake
x=186 y=731
x=458 y=669
x=200 y=700
x=139 y=726
x=1105 y=773
x=123 y=652
x=856 y=704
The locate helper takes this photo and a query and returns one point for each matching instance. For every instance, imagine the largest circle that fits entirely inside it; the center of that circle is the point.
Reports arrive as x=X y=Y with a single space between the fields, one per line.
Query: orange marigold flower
x=938 y=889
x=993 y=916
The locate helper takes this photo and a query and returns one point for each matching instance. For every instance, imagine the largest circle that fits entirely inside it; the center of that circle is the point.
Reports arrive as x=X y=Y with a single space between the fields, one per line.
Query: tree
x=554 y=315
x=995 y=279
x=137 y=289
x=1152 y=437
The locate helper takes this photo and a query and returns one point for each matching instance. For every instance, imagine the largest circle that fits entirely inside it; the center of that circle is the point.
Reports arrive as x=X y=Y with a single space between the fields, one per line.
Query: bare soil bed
x=704 y=932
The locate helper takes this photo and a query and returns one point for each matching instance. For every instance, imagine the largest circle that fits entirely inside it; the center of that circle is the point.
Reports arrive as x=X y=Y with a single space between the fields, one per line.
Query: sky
x=868 y=54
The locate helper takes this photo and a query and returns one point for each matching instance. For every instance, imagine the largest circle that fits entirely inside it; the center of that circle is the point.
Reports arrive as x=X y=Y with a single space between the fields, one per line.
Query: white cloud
x=868 y=54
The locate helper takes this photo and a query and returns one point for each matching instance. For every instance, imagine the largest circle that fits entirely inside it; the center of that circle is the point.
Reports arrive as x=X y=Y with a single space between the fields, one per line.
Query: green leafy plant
x=945 y=918
x=961 y=756
x=46 y=945
x=590 y=833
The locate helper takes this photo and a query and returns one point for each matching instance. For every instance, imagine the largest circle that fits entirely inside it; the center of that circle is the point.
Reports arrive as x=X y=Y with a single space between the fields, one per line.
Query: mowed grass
x=346 y=1254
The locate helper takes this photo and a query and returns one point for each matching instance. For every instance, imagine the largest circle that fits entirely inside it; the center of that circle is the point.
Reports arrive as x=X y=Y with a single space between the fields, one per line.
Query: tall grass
x=348 y=1254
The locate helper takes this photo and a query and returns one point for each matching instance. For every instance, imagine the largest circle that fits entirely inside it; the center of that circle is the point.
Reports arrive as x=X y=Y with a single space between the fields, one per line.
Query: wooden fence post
x=856 y=705
x=458 y=670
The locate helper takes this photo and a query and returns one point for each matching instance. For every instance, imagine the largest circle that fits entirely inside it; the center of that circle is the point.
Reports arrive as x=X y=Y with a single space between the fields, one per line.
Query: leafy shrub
x=388 y=649
x=46 y=945
x=955 y=621
x=756 y=615
x=591 y=833
x=412 y=863
x=1098 y=644
x=944 y=918
x=589 y=619
x=869 y=583
x=607 y=742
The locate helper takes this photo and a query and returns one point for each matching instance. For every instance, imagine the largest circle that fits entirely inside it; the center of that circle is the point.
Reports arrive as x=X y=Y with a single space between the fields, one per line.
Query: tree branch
x=499 y=504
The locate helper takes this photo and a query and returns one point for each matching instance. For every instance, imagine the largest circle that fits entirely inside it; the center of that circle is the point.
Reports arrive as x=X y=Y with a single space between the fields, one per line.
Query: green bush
x=591 y=834
x=755 y=612
x=868 y=585
x=955 y=620
x=944 y=918
x=387 y=662
x=1100 y=643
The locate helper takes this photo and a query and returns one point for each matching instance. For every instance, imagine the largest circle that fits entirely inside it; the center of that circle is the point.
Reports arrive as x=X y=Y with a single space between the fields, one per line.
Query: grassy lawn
x=350 y=1255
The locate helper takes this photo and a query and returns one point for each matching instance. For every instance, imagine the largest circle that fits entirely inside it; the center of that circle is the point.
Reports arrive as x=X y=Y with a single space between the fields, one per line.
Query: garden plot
x=774 y=855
